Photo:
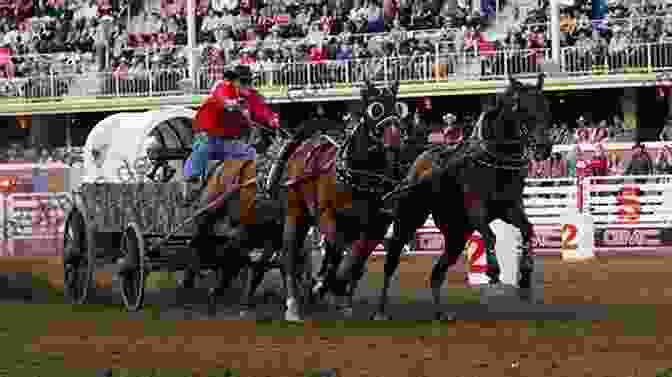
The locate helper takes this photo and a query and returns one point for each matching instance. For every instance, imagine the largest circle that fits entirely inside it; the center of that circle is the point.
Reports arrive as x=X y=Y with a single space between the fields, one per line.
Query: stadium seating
x=414 y=42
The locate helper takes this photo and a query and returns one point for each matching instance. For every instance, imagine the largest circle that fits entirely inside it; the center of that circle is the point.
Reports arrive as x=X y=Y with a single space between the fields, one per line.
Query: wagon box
x=155 y=207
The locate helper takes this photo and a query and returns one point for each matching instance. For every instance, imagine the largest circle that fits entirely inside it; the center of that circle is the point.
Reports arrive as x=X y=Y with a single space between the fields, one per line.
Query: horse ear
x=540 y=81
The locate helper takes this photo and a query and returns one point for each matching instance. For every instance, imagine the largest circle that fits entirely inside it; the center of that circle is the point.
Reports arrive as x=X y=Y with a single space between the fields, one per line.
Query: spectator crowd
x=289 y=42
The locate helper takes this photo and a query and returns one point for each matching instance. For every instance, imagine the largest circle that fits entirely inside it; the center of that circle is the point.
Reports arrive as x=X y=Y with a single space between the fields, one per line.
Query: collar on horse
x=362 y=180
x=485 y=156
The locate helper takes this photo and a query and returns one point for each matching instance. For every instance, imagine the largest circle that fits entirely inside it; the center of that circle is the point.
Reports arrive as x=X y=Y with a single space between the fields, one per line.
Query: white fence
x=631 y=214
x=287 y=78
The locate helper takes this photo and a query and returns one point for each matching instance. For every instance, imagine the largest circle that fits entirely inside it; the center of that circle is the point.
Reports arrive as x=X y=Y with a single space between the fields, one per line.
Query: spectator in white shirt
x=211 y=22
x=87 y=11
x=230 y=5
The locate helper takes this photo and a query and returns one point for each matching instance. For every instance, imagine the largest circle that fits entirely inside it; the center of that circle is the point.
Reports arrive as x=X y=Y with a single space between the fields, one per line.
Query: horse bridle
x=496 y=160
x=362 y=180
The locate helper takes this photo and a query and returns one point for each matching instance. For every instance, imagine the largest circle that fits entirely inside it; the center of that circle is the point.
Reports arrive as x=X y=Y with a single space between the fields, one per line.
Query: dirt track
x=472 y=348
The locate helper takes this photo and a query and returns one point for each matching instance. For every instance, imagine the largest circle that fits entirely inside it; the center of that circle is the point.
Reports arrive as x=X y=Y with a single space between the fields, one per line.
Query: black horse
x=468 y=188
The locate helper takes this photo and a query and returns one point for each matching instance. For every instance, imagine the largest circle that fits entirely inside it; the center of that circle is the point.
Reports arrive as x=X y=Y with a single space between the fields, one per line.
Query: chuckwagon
x=133 y=203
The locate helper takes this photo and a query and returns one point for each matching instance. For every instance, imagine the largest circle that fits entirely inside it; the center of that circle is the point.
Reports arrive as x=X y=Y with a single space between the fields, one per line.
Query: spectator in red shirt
x=641 y=162
x=599 y=164
x=248 y=57
x=452 y=134
x=327 y=20
x=582 y=163
x=558 y=166
x=317 y=54
x=538 y=169
x=615 y=164
x=600 y=134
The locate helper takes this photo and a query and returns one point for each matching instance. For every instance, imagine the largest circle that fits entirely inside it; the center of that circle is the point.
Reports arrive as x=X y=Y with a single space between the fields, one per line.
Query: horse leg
x=200 y=241
x=258 y=270
x=516 y=216
x=455 y=237
x=409 y=218
x=365 y=245
x=333 y=256
x=293 y=236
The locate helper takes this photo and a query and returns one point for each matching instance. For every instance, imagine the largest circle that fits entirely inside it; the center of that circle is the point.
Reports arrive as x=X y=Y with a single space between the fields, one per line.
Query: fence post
x=649 y=61
x=506 y=63
x=52 y=85
x=436 y=68
x=150 y=79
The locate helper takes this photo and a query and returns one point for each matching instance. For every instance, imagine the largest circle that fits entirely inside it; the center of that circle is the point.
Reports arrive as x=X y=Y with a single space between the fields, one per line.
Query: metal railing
x=419 y=68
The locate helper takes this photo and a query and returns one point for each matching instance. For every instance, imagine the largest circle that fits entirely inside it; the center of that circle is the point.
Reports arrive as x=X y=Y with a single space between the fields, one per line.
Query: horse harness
x=483 y=156
x=361 y=180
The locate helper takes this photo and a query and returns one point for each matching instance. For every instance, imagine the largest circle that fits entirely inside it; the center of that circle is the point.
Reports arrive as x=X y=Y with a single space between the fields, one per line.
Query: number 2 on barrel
x=475 y=251
x=568 y=235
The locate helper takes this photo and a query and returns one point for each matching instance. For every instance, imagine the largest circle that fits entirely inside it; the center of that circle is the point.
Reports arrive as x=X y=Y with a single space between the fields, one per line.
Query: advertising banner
x=547 y=240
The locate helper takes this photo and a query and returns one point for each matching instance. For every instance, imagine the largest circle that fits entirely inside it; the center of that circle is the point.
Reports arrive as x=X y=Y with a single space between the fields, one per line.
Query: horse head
x=379 y=132
x=524 y=117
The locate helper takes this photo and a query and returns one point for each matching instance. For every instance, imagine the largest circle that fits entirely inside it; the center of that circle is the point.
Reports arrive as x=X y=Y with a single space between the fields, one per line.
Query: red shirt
x=326 y=24
x=247 y=60
x=583 y=168
x=317 y=55
x=212 y=116
x=599 y=166
x=259 y=109
x=281 y=19
x=486 y=47
x=452 y=135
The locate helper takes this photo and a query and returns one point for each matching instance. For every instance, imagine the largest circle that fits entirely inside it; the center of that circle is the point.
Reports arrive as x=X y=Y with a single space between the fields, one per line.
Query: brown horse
x=237 y=211
x=338 y=188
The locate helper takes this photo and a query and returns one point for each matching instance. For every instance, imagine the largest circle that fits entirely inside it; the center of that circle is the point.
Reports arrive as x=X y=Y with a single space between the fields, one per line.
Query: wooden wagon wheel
x=78 y=258
x=133 y=280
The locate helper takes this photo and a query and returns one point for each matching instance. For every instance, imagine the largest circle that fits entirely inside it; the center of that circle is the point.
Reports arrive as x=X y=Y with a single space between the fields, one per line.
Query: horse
x=338 y=188
x=238 y=212
x=467 y=188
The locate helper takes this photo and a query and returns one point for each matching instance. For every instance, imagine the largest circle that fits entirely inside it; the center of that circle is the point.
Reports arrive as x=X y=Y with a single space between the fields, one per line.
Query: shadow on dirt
x=168 y=302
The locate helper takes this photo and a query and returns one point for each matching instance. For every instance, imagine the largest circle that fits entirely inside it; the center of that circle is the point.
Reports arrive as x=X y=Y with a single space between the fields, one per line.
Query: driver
x=223 y=120
x=260 y=111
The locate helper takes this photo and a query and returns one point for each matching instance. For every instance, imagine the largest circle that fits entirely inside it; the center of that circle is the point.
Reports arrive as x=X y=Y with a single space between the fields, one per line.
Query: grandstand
x=130 y=48
x=138 y=49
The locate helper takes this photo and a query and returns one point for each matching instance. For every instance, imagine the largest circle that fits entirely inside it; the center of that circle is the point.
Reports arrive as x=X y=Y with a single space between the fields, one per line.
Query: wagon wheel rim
x=77 y=267
x=133 y=281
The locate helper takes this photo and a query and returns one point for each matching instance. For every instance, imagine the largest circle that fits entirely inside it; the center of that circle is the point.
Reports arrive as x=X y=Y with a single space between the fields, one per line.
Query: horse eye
x=375 y=110
x=402 y=109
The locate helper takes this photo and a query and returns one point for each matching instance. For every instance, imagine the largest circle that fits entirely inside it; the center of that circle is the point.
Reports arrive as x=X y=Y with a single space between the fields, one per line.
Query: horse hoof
x=445 y=317
x=293 y=316
x=525 y=294
x=347 y=312
x=380 y=317
x=186 y=284
x=496 y=289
